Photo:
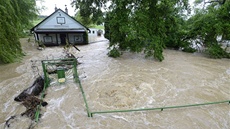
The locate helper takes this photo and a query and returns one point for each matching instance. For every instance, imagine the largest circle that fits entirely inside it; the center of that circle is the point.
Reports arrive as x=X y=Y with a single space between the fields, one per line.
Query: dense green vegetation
x=90 y=11
x=149 y=26
x=15 y=18
x=88 y=21
x=207 y=24
x=37 y=20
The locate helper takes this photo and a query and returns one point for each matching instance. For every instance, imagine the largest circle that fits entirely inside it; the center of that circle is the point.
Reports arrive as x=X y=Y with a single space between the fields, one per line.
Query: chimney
x=55 y=8
x=66 y=10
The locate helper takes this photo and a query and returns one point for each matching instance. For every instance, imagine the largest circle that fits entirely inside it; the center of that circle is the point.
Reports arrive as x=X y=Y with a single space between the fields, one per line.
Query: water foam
x=228 y=71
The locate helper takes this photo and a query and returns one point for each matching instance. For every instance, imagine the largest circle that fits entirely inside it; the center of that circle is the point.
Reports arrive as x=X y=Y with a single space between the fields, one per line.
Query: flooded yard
x=128 y=82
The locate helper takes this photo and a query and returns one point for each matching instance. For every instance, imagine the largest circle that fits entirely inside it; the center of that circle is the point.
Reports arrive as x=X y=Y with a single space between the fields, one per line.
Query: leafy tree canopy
x=209 y=23
x=149 y=26
x=15 y=16
x=89 y=11
x=139 y=25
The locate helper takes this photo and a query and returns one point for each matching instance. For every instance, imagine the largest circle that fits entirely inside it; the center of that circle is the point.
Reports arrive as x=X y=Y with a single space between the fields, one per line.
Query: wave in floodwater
x=228 y=71
x=128 y=82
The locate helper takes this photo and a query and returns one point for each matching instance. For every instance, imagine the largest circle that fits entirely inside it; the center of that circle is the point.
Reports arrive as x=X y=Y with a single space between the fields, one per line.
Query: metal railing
x=90 y=114
x=71 y=61
x=159 y=108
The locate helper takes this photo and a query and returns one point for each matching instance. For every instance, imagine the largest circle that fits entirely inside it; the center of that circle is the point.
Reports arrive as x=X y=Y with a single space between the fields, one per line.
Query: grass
x=98 y=26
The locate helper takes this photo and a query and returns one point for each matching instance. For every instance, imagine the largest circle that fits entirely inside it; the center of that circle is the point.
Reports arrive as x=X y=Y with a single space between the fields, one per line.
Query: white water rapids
x=128 y=82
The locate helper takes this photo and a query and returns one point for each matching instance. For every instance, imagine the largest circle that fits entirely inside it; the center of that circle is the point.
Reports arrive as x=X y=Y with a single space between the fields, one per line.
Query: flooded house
x=58 y=28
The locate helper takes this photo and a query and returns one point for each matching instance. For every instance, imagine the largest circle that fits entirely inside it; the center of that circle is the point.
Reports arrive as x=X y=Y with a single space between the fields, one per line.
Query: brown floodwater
x=128 y=82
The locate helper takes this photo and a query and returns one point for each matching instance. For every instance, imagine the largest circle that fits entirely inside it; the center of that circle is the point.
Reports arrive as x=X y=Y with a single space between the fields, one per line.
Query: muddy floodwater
x=128 y=82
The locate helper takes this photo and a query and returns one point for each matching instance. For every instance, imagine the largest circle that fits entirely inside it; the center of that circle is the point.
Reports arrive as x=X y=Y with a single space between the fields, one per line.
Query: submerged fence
x=89 y=113
x=60 y=72
x=159 y=108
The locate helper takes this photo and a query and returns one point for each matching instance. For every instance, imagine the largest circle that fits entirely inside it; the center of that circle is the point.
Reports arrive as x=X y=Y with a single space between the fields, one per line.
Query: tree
x=87 y=21
x=15 y=16
x=89 y=10
x=208 y=23
x=24 y=11
x=137 y=25
x=149 y=26
x=144 y=25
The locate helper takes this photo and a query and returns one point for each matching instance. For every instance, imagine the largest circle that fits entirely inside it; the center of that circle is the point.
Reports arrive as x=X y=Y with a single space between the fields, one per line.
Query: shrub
x=189 y=50
x=114 y=53
x=215 y=51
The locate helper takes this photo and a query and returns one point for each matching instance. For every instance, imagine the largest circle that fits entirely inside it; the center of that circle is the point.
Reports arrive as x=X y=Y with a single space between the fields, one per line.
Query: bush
x=114 y=53
x=189 y=50
x=215 y=51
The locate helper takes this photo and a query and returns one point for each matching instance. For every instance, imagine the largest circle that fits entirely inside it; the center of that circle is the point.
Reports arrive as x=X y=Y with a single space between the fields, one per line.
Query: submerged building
x=60 y=28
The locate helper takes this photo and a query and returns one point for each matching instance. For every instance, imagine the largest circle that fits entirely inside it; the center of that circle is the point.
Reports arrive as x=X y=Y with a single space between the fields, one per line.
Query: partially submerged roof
x=59 y=21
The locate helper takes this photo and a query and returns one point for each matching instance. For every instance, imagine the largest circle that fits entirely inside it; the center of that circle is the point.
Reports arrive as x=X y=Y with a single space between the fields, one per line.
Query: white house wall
x=94 y=31
x=60 y=20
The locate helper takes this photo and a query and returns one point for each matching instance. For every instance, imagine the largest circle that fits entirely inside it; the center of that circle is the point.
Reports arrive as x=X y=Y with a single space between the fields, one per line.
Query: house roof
x=55 y=29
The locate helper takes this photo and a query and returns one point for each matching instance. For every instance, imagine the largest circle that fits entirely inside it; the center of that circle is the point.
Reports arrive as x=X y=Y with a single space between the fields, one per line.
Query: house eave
x=58 y=31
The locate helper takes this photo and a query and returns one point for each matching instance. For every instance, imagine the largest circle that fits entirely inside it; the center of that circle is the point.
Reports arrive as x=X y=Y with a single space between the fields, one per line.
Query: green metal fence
x=57 y=62
x=160 y=108
x=83 y=94
x=89 y=113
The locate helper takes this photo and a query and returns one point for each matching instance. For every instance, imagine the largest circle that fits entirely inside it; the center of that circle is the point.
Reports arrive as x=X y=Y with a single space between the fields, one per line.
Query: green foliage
x=85 y=36
x=215 y=51
x=89 y=11
x=207 y=24
x=14 y=18
x=37 y=20
x=24 y=13
x=97 y=26
x=114 y=53
x=107 y=26
x=147 y=26
x=87 y=21
x=189 y=49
